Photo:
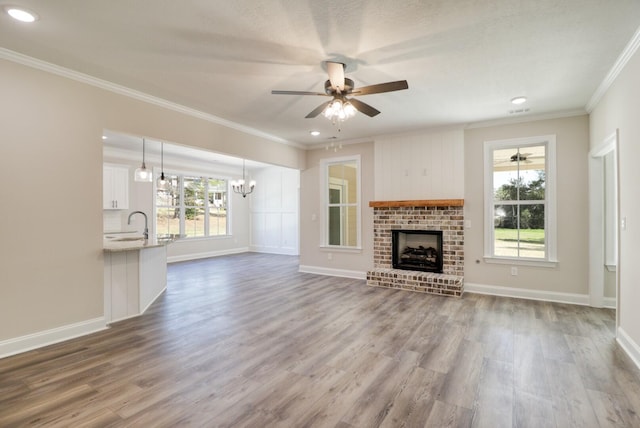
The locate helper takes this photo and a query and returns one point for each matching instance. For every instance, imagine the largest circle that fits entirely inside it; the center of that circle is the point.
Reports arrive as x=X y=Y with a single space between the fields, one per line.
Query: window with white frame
x=341 y=202
x=520 y=200
x=192 y=206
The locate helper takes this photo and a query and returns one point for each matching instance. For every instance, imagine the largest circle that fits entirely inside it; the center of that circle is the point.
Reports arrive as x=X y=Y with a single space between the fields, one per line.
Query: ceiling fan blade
x=298 y=93
x=363 y=107
x=318 y=110
x=382 y=87
x=336 y=75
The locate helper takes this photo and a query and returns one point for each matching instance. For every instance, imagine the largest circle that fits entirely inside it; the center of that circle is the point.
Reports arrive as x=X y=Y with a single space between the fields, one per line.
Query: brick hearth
x=446 y=215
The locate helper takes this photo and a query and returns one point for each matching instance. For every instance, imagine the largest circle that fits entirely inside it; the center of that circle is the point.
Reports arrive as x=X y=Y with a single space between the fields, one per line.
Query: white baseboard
x=273 y=250
x=206 y=255
x=153 y=300
x=333 y=272
x=547 y=296
x=630 y=347
x=609 y=302
x=49 y=337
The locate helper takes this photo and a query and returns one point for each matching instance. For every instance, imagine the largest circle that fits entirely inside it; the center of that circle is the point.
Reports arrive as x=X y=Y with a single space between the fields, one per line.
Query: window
x=520 y=200
x=193 y=207
x=341 y=206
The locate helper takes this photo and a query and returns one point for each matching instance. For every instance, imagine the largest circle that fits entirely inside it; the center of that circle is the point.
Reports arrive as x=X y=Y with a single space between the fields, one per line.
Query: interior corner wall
x=330 y=261
x=618 y=110
x=51 y=154
x=570 y=277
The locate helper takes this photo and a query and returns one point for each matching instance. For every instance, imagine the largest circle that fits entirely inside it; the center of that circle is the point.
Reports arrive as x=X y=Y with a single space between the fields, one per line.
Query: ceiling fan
x=339 y=88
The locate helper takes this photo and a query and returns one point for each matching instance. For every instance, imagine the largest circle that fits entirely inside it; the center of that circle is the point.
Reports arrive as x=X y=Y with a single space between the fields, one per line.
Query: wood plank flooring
x=247 y=341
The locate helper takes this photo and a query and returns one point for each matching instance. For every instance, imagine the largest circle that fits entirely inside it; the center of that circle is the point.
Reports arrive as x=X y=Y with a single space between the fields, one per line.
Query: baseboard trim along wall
x=29 y=342
x=273 y=250
x=333 y=272
x=609 y=302
x=206 y=255
x=630 y=347
x=152 y=301
x=547 y=296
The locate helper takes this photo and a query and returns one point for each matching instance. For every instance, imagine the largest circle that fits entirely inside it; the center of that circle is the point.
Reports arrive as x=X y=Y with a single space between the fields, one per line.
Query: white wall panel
x=275 y=212
x=420 y=166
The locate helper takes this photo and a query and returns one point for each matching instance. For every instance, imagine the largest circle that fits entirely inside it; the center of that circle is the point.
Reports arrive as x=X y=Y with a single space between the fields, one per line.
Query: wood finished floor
x=246 y=340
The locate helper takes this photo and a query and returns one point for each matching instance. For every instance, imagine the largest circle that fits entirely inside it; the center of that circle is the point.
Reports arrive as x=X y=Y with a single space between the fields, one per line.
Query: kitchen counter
x=135 y=273
x=124 y=241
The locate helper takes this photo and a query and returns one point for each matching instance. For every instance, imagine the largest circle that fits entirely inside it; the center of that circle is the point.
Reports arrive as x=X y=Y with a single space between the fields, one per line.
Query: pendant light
x=239 y=186
x=163 y=183
x=142 y=174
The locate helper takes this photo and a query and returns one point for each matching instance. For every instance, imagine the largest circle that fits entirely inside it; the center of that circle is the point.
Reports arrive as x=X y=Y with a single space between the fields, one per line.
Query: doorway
x=604 y=225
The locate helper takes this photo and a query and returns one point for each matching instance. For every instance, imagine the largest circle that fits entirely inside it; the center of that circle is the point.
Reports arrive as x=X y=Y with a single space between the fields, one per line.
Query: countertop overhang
x=133 y=243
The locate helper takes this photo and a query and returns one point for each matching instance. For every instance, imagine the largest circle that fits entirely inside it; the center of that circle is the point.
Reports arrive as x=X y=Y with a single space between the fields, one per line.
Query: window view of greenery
x=519 y=202
x=192 y=207
x=343 y=204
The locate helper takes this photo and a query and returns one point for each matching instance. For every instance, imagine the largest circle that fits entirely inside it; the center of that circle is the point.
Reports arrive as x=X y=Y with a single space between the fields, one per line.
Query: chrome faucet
x=146 y=229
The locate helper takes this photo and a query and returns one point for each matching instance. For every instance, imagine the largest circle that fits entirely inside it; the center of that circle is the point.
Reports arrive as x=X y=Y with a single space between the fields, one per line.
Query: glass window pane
x=335 y=226
x=171 y=196
x=532 y=234
x=519 y=173
x=505 y=222
x=194 y=191
x=351 y=227
x=194 y=222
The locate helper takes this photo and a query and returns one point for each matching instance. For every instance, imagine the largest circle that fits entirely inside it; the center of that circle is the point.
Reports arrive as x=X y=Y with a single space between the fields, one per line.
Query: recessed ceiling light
x=315 y=133
x=20 y=14
x=104 y=137
x=518 y=100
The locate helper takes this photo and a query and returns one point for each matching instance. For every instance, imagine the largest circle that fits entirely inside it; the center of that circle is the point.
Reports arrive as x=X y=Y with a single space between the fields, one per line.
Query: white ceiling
x=464 y=59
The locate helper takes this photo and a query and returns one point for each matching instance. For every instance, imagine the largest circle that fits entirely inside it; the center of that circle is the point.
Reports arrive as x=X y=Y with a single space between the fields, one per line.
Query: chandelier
x=339 y=110
x=240 y=186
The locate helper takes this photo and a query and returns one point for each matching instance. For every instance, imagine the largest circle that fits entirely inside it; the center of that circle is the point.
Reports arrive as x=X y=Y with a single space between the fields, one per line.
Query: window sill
x=521 y=262
x=334 y=248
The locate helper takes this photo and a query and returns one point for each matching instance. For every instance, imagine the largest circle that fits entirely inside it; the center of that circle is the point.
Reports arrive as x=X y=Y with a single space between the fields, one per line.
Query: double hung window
x=193 y=206
x=341 y=196
x=520 y=199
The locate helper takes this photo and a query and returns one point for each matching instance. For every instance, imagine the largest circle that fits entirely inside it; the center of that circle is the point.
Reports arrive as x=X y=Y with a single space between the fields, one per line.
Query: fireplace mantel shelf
x=418 y=203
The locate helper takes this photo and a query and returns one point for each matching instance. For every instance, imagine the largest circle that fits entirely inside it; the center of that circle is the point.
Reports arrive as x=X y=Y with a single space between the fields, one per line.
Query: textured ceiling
x=464 y=60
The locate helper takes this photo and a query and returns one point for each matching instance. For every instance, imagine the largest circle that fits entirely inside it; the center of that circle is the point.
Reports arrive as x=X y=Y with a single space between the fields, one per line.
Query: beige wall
x=572 y=145
x=619 y=109
x=310 y=252
x=51 y=164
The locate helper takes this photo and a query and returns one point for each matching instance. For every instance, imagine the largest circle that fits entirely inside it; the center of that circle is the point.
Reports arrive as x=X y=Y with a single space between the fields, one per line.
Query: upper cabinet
x=115 y=193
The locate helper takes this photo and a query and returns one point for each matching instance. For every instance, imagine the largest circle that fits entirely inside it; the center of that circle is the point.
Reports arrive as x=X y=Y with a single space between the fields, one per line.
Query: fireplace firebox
x=419 y=250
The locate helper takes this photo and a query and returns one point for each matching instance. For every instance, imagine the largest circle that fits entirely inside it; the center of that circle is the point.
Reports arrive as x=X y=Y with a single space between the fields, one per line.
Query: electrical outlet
x=514 y=271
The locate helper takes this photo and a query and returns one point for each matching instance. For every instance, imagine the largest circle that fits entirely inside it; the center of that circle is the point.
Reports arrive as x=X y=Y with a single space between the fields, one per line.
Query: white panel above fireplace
x=420 y=166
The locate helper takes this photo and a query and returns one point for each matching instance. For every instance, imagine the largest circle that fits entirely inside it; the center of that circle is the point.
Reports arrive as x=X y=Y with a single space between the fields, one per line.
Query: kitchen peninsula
x=135 y=273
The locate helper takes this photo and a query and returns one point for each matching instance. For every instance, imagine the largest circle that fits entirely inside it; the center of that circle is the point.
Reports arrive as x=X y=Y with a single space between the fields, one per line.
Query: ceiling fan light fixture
x=519 y=100
x=339 y=110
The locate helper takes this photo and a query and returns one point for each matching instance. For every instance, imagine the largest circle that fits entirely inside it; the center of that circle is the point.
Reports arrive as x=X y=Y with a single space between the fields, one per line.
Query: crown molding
x=48 y=67
x=615 y=71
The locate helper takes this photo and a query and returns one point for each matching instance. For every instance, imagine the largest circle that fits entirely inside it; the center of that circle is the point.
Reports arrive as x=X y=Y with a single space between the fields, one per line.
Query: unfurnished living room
x=319 y=213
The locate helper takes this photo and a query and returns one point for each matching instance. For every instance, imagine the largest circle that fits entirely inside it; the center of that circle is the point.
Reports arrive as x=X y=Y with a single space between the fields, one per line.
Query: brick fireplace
x=444 y=215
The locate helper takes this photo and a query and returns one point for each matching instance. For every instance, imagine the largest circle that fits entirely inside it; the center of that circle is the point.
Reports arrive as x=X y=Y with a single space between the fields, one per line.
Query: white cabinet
x=115 y=192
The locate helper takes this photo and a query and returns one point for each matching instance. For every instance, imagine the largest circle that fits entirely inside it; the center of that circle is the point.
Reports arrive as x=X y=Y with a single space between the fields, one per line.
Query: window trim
x=551 y=233
x=207 y=176
x=324 y=201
